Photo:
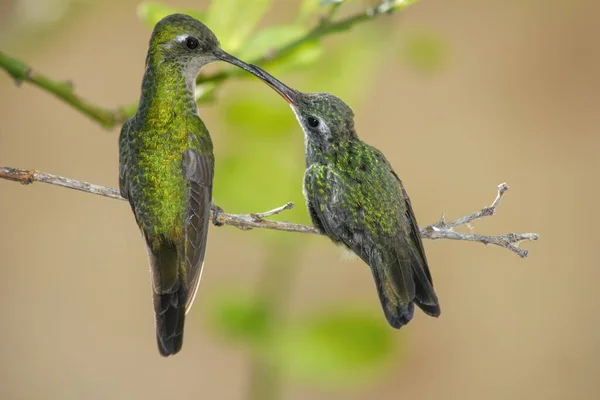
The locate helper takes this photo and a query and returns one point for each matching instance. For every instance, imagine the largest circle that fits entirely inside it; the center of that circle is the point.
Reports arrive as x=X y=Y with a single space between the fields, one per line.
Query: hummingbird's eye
x=191 y=43
x=312 y=122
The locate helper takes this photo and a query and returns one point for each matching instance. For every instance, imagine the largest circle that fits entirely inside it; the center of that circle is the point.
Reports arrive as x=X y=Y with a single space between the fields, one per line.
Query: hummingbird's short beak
x=289 y=94
x=224 y=56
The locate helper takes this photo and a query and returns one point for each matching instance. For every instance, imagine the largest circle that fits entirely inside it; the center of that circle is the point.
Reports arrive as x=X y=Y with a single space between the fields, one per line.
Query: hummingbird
x=355 y=197
x=166 y=168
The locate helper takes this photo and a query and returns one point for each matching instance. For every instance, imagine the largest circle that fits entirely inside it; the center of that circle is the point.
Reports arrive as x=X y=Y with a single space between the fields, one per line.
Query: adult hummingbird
x=166 y=168
x=355 y=198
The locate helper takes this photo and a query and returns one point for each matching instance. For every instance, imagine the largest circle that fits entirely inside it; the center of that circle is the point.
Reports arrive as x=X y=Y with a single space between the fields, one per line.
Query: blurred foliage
x=424 y=51
x=343 y=347
x=276 y=36
x=241 y=317
x=151 y=13
x=233 y=21
x=262 y=167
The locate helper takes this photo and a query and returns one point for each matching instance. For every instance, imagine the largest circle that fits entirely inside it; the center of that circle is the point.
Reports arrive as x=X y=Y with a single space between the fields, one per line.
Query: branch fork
x=510 y=241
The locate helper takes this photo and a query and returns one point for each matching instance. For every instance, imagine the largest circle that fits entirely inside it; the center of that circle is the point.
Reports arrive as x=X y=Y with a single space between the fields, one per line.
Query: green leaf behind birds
x=263 y=164
x=233 y=21
x=308 y=8
x=268 y=119
x=150 y=12
x=274 y=37
x=342 y=348
x=394 y=5
x=424 y=51
x=261 y=174
x=240 y=317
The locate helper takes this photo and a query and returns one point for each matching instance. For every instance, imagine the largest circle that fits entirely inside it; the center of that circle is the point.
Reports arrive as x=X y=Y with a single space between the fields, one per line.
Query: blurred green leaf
x=424 y=51
x=151 y=12
x=303 y=56
x=241 y=317
x=308 y=8
x=205 y=93
x=393 y=5
x=263 y=166
x=259 y=174
x=269 y=39
x=275 y=37
x=269 y=117
x=233 y=20
x=340 y=348
x=349 y=68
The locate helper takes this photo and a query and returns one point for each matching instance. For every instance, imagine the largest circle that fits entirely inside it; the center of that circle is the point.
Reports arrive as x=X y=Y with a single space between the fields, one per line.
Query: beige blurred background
x=517 y=102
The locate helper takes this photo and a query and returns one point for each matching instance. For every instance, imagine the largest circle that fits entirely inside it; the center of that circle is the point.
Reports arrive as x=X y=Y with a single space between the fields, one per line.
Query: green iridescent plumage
x=167 y=167
x=354 y=196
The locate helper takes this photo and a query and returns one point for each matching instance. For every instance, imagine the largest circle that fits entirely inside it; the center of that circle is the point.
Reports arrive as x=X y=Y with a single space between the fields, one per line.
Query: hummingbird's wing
x=198 y=170
x=124 y=149
x=425 y=294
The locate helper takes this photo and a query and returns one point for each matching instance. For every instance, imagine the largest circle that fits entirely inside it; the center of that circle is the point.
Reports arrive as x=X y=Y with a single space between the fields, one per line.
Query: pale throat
x=300 y=122
x=176 y=81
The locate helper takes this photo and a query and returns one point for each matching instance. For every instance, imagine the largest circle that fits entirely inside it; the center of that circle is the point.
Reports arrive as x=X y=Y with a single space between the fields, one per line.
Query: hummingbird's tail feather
x=170 y=317
x=433 y=311
x=425 y=296
x=403 y=280
x=398 y=312
x=169 y=294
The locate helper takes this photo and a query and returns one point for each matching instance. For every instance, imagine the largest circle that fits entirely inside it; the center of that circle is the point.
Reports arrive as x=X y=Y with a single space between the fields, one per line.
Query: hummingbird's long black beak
x=290 y=95
x=224 y=56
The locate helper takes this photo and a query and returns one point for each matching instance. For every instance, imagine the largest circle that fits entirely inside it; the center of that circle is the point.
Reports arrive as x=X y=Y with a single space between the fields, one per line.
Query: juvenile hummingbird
x=355 y=198
x=166 y=167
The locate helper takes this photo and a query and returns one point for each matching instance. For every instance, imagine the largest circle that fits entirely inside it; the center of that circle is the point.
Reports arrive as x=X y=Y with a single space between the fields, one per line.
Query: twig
x=444 y=230
x=259 y=216
x=484 y=212
x=20 y=72
x=439 y=230
x=110 y=118
x=29 y=176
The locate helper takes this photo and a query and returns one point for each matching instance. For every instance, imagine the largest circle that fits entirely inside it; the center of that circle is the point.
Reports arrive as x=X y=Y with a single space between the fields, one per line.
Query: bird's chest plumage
x=158 y=188
x=352 y=198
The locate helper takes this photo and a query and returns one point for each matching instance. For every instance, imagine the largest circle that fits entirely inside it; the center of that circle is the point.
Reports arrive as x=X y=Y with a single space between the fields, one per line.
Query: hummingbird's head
x=324 y=117
x=183 y=40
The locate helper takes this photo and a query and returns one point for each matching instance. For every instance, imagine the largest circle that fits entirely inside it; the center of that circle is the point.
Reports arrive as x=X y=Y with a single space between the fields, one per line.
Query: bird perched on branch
x=167 y=166
x=355 y=198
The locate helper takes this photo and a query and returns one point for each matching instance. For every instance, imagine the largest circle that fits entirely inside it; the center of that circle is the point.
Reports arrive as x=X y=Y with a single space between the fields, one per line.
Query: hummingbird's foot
x=216 y=211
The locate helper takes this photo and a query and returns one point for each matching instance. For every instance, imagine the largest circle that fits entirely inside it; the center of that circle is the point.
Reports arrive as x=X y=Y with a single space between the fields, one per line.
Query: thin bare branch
x=439 y=230
x=260 y=216
x=511 y=241
x=29 y=176
x=484 y=212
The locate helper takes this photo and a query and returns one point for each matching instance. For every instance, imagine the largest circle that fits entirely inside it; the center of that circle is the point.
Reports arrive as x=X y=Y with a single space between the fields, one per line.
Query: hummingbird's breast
x=158 y=187
x=366 y=187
